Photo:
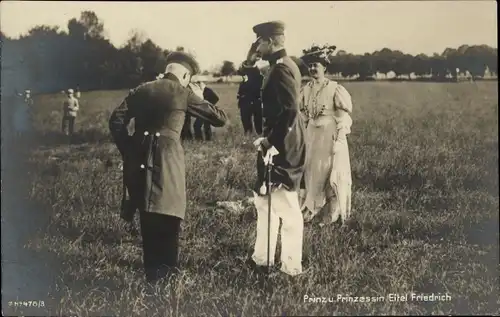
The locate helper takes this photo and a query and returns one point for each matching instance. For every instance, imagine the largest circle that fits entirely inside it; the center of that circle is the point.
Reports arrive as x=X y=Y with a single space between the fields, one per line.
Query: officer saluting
x=154 y=167
x=284 y=129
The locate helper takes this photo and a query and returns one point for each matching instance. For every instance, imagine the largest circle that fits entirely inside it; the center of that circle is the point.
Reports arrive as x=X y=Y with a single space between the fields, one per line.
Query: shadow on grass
x=27 y=273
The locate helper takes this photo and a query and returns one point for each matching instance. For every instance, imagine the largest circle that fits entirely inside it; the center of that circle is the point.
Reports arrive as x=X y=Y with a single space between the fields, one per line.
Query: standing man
x=202 y=127
x=70 y=109
x=249 y=100
x=284 y=129
x=154 y=167
x=23 y=114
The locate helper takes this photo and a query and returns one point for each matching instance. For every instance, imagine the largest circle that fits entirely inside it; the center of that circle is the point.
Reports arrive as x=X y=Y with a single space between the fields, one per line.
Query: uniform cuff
x=265 y=143
x=248 y=64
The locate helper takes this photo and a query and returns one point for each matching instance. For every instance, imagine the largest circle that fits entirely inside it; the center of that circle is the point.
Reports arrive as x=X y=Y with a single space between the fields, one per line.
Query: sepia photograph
x=249 y=158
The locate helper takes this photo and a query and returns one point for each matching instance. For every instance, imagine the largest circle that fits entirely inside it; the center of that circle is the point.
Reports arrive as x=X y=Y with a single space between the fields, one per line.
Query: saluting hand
x=253 y=55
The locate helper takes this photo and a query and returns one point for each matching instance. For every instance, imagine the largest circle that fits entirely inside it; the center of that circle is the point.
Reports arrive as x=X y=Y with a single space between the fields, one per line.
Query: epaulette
x=279 y=61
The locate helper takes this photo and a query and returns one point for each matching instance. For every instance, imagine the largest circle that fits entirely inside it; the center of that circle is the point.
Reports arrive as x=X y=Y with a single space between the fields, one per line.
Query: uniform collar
x=171 y=77
x=276 y=56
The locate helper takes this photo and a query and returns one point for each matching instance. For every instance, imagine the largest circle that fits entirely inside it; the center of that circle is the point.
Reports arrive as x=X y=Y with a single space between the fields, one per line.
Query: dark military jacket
x=284 y=127
x=249 y=91
x=210 y=96
x=154 y=167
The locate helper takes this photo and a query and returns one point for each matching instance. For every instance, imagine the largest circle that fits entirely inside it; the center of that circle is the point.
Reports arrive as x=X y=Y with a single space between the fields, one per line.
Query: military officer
x=154 y=167
x=249 y=101
x=202 y=128
x=23 y=113
x=71 y=106
x=284 y=129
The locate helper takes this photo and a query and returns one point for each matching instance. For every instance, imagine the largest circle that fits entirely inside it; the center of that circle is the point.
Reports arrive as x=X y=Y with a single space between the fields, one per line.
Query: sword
x=268 y=161
x=269 y=169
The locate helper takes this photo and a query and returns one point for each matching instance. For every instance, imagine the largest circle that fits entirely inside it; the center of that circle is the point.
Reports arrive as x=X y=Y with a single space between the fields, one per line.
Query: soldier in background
x=186 y=133
x=249 y=101
x=23 y=107
x=70 y=111
x=202 y=128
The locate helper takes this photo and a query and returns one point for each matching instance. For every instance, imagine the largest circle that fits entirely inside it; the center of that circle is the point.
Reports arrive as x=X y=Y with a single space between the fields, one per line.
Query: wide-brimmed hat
x=70 y=91
x=319 y=55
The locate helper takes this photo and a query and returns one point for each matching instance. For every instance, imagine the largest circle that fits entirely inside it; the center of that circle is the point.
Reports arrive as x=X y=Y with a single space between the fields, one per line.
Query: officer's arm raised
x=203 y=109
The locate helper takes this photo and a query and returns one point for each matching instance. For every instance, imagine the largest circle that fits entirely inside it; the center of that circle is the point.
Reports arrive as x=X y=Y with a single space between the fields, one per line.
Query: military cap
x=269 y=28
x=184 y=59
x=70 y=91
x=210 y=96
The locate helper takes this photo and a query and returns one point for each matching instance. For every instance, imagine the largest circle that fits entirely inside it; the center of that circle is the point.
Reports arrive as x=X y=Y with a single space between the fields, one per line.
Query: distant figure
x=77 y=92
x=70 y=109
x=202 y=126
x=22 y=113
x=249 y=101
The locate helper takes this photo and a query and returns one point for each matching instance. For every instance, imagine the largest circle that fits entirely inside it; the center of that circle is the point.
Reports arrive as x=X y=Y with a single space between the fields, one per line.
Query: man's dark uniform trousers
x=186 y=132
x=154 y=166
x=284 y=127
x=201 y=126
x=249 y=100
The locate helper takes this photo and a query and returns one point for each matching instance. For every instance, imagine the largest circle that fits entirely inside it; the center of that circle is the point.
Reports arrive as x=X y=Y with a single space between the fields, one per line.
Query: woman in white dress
x=327 y=107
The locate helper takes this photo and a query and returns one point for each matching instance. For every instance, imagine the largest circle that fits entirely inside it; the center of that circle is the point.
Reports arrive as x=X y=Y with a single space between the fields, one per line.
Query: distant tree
x=366 y=67
x=438 y=67
x=93 y=26
x=402 y=64
x=153 y=61
x=227 y=69
x=421 y=65
x=478 y=58
x=452 y=61
x=136 y=39
x=383 y=61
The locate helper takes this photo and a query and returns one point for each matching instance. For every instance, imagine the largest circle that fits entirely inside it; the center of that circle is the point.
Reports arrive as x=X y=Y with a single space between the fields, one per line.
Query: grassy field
x=425 y=213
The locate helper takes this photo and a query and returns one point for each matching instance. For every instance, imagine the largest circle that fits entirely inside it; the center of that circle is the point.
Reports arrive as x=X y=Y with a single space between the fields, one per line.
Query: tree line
x=452 y=62
x=47 y=59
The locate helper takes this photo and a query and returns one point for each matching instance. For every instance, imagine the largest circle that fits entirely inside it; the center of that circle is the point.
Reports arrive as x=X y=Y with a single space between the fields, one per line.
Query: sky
x=217 y=31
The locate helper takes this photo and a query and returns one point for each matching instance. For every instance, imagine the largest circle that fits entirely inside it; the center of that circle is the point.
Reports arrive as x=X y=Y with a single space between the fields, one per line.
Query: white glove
x=269 y=155
x=197 y=90
x=257 y=143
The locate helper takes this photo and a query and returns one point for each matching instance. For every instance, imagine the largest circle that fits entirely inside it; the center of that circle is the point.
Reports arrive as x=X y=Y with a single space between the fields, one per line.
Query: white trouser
x=284 y=206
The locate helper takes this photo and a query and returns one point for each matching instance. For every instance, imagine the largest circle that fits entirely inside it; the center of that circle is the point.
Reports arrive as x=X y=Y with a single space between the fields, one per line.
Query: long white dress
x=327 y=106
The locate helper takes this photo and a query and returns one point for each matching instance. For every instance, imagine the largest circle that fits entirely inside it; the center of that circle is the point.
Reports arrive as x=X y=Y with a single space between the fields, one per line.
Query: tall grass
x=425 y=213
